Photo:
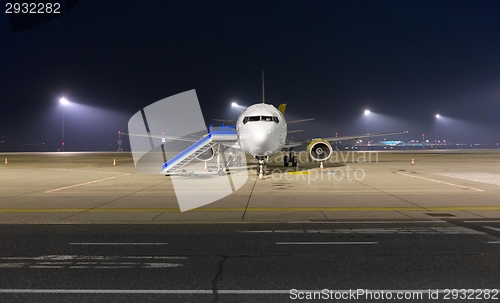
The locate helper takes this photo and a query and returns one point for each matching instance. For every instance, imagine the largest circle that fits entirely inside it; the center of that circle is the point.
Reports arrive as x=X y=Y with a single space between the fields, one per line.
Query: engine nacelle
x=207 y=155
x=319 y=150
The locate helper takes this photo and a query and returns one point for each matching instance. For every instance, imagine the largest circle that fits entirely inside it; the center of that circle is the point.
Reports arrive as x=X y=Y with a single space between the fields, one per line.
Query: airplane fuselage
x=261 y=130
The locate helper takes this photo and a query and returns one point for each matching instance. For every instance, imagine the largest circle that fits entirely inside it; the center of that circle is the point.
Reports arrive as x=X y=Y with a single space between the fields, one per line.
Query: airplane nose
x=259 y=137
x=257 y=142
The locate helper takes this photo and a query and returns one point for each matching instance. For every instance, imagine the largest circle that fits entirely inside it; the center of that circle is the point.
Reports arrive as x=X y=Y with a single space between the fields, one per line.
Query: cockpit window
x=260 y=118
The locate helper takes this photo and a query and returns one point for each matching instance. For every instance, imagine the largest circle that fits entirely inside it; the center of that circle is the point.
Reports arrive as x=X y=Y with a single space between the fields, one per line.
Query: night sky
x=404 y=60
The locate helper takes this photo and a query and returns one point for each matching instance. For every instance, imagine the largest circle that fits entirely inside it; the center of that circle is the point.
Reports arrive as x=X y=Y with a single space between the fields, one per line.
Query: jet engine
x=207 y=155
x=319 y=150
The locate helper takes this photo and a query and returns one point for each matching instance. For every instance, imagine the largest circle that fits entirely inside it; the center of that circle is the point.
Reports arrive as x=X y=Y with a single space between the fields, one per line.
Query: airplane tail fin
x=282 y=108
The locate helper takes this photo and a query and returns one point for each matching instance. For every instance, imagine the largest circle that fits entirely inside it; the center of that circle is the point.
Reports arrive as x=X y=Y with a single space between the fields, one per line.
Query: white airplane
x=261 y=131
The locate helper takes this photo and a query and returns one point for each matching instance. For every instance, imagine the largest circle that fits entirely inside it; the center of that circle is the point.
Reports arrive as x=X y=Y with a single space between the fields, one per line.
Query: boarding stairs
x=221 y=134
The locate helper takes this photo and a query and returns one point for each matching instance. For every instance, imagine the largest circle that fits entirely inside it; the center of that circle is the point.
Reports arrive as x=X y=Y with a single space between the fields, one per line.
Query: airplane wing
x=290 y=144
x=333 y=139
x=225 y=121
x=168 y=138
x=298 y=121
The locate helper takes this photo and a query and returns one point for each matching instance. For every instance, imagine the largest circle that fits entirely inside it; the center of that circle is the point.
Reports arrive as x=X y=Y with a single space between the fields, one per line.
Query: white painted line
x=106 y=265
x=442 y=182
x=88 y=171
x=115 y=243
x=377 y=222
x=160 y=265
x=492 y=228
x=494 y=242
x=475 y=176
x=10 y=265
x=120 y=263
x=85 y=183
x=80 y=261
x=325 y=243
x=79 y=257
x=200 y=291
x=426 y=230
x=482 y=221
x=106 y=291
x=112 y=267
x=150 y=257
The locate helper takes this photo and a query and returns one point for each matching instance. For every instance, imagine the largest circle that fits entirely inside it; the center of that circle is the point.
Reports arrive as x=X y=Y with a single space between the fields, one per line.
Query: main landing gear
x=290 y=159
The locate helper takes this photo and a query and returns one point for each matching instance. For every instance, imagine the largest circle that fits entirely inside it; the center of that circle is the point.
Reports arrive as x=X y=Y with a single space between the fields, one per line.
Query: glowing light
x=63 y=101
x=234 y=104
x=367 y=111
x=437 y=116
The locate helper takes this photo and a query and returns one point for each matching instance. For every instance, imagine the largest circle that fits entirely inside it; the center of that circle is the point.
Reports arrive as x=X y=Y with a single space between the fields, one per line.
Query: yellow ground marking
x=305 y=172
x=251 y=209
x=85 y=183
x=442 y=182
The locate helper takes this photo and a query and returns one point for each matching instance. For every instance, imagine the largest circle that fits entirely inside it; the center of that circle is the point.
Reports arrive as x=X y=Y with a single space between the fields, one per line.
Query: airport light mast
x=63 y=102
x=437 y=117
x=367 y=113
x=120 y=148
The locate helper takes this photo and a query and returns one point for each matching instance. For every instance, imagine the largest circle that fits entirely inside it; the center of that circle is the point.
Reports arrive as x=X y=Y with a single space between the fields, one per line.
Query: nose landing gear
x=261 y=168
x=290 y=159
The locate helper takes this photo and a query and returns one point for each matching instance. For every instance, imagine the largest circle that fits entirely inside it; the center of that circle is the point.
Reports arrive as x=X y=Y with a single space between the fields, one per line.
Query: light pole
x=367 y=112
x=437 y=117
x=234 y=105
x=63 y=102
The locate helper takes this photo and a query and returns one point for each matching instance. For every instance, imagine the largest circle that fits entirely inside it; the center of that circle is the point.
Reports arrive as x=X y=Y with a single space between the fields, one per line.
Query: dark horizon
x=331 y=60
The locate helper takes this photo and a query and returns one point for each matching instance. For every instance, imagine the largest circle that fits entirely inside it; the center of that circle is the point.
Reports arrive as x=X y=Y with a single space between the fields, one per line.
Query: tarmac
x=86 y=188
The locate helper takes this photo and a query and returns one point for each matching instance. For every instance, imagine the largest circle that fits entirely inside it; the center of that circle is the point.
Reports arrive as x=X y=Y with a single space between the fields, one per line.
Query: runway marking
x=203 y=291
x=377 y=222
x=477 y=177
x=241 y=209
x=482 y=221
x=494 y=242
x=454 y=230
x=299 y=172
x=88 y=171
x=115 y=243
x=81 y=257
x=437 y=181
x=492 y=228
x=85 y=183
x=326 y=243
x=78 y=261
x=149 y=257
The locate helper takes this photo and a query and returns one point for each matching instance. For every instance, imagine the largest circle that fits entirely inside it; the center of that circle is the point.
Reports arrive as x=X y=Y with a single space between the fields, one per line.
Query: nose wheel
x=261 y=168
